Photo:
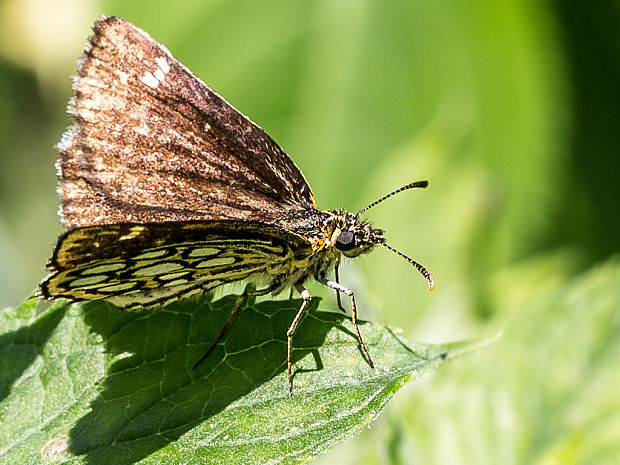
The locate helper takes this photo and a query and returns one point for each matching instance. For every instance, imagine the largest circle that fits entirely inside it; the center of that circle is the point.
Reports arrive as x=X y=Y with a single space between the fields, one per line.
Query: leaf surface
x=89 y=383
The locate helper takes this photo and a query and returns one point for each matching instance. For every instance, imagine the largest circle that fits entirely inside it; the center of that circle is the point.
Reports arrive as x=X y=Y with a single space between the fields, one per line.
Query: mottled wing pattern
x=151 y=142
x=141 y=265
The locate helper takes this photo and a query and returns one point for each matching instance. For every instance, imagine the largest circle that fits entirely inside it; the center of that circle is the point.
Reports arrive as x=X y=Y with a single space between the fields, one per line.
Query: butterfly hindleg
x=340 y=288
x=340 y=307
x=291 y=331
x=233 y=313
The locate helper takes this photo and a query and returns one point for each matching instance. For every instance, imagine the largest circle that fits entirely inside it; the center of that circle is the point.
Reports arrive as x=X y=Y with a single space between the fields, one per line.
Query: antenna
x=404 y=188
x=429 y=277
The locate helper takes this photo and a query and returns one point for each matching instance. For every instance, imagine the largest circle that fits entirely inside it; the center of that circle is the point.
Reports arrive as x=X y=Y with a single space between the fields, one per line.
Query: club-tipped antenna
x=385 y=197
x=429 y=277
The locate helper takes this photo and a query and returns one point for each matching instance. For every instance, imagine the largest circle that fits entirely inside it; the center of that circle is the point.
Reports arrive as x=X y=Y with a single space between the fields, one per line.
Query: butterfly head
x=354 y=236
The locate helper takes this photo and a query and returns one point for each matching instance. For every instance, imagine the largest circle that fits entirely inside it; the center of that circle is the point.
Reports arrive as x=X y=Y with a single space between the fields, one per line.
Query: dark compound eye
x=345 y=241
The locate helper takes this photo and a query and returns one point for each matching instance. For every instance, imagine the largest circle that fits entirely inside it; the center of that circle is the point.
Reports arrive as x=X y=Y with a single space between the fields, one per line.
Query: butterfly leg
x=233 y=313
x=338 y=292
x=291 y=331
x=340 y=288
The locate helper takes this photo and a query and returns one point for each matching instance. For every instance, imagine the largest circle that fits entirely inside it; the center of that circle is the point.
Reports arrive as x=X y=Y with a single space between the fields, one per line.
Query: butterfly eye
x=345 y=241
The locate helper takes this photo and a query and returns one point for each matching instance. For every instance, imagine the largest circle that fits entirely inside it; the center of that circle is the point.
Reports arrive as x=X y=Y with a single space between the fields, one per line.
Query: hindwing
x=140 y=265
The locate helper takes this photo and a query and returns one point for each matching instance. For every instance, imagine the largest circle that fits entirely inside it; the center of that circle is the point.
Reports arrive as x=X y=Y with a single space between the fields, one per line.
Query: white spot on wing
x=151 y=254
x=159 y=75
x=149 y=80
x=119 y=287
x=216 y=262
x=160 y=268
x=104 y=268
x=204 y=252
x=171 y=276
x=84 y=282
x=178 y=282
x=163 y=64
x=123 y=77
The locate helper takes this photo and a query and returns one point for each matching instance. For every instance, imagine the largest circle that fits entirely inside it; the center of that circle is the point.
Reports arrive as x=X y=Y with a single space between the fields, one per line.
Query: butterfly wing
x=141 y=265
x=151 y=143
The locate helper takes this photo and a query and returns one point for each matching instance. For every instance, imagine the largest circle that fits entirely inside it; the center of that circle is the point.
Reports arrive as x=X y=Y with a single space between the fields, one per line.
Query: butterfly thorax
x=331 y=234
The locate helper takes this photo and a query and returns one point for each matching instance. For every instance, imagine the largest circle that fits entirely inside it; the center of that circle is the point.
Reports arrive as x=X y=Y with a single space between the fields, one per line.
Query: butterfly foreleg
x=291 y=331
x=248 y=292
x=340 y=288
x=340 y=307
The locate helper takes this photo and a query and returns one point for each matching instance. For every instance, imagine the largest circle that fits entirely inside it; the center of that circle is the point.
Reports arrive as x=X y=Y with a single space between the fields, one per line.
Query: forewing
x=151 y=142
x=141 y=265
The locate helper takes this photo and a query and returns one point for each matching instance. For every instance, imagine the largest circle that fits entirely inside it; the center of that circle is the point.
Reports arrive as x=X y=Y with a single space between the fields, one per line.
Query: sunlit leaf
x=89 y=383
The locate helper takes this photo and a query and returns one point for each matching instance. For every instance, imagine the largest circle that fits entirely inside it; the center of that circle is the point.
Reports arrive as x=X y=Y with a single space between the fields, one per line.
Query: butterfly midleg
x=340 y=288
x=233 y=313
x=291 y=331
x=340 y=307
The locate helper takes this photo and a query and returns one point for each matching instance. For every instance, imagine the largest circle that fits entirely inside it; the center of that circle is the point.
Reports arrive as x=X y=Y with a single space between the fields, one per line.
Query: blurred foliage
x=544 y=394
x=511 y=109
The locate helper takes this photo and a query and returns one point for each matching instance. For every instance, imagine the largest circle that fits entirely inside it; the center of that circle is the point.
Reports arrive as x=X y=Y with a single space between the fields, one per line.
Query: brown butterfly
x=168 y=191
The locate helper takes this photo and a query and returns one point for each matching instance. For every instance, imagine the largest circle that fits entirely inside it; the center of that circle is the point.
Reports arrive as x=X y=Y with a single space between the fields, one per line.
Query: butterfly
x=168 y=191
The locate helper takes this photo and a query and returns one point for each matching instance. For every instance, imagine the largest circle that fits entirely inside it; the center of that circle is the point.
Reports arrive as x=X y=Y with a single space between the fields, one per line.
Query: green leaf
x=89 y=383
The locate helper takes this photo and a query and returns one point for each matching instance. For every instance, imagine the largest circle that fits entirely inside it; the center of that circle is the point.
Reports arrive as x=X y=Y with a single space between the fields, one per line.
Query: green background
x=510 y=109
